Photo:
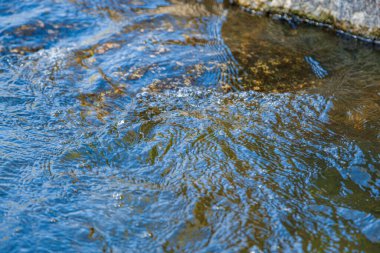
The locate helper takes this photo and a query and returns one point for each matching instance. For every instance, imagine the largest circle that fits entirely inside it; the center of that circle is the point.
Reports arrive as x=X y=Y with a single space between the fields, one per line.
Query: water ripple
x=138 y=126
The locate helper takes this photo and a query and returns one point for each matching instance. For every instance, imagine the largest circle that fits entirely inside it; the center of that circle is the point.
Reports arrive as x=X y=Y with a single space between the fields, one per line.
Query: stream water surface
x=184 y=126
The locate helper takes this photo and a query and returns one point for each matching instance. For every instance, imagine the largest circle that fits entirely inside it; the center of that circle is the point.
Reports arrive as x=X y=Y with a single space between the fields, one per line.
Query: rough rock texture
x=360 y=17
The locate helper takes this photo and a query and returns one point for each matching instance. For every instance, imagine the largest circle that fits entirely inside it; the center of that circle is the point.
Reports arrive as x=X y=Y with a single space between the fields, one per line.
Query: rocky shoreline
x=360 y=18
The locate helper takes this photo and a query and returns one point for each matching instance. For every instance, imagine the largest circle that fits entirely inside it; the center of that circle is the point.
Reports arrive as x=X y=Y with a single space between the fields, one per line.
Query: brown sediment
x=97 y=102
x=86 y=54
x=190 y=41
x=25 y=49
x=270 y=64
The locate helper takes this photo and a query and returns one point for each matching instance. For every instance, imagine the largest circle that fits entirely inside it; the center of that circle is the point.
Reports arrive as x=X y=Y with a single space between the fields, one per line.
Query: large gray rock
x=356 y=16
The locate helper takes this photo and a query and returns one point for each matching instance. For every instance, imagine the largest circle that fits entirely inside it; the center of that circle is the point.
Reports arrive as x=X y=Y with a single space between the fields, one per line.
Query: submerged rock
x=271 y=56
x=360 y=17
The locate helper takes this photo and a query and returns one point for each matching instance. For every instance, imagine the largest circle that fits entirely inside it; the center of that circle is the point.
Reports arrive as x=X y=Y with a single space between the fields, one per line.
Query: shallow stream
x=184 y=126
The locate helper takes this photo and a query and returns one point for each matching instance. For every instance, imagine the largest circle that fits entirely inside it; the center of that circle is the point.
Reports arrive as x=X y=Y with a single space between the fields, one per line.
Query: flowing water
x=184 y=126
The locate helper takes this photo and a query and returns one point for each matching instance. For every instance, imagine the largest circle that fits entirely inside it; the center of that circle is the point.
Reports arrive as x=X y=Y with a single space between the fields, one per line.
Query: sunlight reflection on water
x=175 y=126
